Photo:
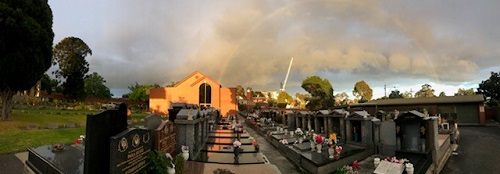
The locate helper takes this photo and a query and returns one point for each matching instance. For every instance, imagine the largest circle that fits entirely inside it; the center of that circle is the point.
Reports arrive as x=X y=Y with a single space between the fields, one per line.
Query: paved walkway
x=273 y=155
x=13 y=163
x=477 y=151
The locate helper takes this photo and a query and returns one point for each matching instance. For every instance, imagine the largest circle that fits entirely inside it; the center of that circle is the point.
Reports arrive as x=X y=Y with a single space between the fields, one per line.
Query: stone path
x=273 y=155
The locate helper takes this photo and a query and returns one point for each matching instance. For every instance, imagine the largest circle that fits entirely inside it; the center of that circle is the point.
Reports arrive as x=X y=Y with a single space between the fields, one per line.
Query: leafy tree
x=240 y=91
x=257 y=94
x=140 y=92
x=70 y=54
x=94 y=86
x=395 y=94
x=172 y=84
x=407 y=94
x=426 y=91
x=284 y=97
x=321 y=93
x=25 y=47
x=490 y=88
x=442 y=94
x=48 y=84
x=362 y=91
x=465 y=92
x=341 y=99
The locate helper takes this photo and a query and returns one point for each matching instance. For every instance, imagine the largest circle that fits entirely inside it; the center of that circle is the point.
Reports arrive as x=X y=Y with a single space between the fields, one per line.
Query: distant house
x=467 y=109
x=196 y=88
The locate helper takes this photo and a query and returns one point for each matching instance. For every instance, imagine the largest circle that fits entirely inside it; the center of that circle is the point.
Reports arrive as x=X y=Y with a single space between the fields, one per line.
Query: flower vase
x=301 y=139
x=409 y=168
x=313 y=146
x=171 y=170
x=185 y=154
x=331 y=151
x=318 y=148
x=376 y=162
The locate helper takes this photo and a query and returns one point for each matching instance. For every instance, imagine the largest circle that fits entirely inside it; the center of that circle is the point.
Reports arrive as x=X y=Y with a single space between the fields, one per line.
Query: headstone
x=52 y=126
x=32 y=127
x=70 y=125
x=165 y=138
x=99 y=129
x=129 y=151
x=152 y=121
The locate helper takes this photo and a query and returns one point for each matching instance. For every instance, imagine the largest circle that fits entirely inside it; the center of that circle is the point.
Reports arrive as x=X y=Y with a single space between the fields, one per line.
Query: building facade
x=196 y=88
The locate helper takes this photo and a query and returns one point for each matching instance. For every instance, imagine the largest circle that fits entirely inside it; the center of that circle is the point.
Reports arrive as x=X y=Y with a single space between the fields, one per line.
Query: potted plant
x=161 y=164
x=179 y=164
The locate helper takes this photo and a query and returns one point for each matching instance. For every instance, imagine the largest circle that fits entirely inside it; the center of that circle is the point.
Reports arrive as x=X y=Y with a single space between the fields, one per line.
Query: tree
x=48 y=84
x=362 y=91
x=442 y=94
x=70 y=54
x=395 y=94
x=341 y=99
x=172 y=84
x=140 y=92
x=426 y=91
x=25 y=47
x=321 y=93
x=465 y=92
x=240 y=91
x=407 y=94
x=284 y=97
x=490 y=88
x=257 y=94
x=94 y=86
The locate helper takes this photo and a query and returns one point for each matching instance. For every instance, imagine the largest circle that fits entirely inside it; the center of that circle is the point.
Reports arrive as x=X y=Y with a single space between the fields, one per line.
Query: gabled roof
x=191 y=75
x=425 y=100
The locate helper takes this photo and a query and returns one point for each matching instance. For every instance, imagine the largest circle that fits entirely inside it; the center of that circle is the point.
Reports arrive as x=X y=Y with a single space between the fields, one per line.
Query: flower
x=355 y=165
x=237 y=143
x=318 y=139
x=299 y=132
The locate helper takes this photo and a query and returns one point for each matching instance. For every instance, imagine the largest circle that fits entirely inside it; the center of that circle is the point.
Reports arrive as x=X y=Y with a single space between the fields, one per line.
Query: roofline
x=192 y=74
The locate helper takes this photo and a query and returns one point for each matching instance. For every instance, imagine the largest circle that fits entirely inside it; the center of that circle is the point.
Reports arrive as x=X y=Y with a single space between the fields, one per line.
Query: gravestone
x=52 y=126
x=165 y=138
x=129 y=151
x=100 y=127
x=152 y=121
x=70 y=125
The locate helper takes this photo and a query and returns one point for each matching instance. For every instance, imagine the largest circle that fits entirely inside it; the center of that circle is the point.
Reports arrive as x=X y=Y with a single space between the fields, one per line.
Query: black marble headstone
x=100 y=127
x=129 y=151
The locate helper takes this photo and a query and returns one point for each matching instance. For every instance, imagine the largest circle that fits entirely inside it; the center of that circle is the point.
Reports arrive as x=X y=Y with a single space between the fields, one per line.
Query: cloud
x=251 y=42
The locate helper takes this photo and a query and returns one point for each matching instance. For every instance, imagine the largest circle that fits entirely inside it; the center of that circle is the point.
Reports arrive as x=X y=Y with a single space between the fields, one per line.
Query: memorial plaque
x=165 y=138
x=129 y=151
x=386 y=167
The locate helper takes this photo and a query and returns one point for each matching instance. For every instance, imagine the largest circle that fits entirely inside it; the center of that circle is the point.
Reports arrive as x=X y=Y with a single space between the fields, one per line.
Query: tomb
x=359 y=128
x=415 y=137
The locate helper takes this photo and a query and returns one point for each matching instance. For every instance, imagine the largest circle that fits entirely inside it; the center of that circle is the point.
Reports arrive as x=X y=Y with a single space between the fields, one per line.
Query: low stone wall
x=443 y=153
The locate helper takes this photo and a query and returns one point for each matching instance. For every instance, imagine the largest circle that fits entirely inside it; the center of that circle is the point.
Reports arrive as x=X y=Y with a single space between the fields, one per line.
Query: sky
x=400 y=44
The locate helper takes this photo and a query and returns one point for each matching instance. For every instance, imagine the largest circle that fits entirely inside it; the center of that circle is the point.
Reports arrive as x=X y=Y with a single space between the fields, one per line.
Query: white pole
x=287 y=73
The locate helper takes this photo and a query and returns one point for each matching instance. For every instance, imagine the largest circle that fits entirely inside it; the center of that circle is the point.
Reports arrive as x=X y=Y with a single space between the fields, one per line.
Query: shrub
x=179 y=164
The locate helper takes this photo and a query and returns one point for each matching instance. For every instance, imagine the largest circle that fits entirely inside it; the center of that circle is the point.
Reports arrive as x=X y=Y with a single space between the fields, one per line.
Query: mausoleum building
x=195 y=88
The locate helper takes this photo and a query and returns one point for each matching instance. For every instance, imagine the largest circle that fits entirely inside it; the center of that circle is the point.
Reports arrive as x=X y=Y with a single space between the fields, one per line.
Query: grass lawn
x=14 y=137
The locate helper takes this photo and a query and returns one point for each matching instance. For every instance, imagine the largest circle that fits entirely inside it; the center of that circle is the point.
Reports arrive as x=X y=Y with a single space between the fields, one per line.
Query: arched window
x=205 y=94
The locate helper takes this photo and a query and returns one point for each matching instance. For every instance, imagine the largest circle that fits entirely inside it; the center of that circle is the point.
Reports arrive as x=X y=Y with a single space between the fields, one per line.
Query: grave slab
x=43 y=159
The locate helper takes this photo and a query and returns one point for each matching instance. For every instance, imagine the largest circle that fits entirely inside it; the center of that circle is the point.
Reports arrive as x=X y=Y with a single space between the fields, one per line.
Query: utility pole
x=385 y=91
